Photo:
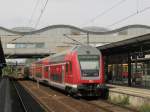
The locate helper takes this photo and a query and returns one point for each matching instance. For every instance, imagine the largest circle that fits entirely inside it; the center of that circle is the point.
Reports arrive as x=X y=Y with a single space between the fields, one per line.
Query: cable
x=31 y=19
x=35 y=26
x=37 y=2
x=137 y=6
x=125 y=18
x=122 y=19
x=104 y=12
x=42 y=11
x=21 y=36
x=15 y=39
x=73 y=39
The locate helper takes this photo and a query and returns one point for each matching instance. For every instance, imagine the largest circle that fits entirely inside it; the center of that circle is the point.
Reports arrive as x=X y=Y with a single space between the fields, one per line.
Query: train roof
x=81 y=50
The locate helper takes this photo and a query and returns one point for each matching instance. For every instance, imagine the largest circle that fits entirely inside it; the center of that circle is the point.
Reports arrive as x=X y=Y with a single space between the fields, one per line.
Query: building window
x=31 y=45
x=10 y=45
x=39 y=45
x=26 y=45
x=18 y=45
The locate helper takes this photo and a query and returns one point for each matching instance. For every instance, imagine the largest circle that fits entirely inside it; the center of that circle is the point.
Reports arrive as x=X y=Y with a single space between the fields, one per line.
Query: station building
x=127 y=62
x=26 y=42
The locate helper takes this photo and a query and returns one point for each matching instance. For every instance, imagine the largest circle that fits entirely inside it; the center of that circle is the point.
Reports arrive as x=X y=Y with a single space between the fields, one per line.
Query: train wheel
x=68 y=90
x=71 y=92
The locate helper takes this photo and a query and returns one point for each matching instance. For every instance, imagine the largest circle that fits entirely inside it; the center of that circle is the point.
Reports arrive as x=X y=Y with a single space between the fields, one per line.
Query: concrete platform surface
x=133 y=97
x=139 y=92
x=14 y=98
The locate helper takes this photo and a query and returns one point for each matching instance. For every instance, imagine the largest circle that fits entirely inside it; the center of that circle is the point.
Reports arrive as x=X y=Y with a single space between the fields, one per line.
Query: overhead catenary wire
x=30 y=21
x=20 y=36
x=104 y=12
x=137 y=6
x=129 y=16
x=77 y=42
x=42 y=11
x=34 y=10
x=15 y=39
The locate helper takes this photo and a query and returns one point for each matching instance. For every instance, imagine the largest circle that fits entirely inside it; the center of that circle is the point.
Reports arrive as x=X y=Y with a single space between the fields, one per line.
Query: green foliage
x=121 y=100
x=124 y=100
x=145 y=108
x=9 y=70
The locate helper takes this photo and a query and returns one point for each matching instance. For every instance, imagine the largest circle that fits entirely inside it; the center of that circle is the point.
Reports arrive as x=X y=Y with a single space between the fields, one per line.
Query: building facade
x=56 y=38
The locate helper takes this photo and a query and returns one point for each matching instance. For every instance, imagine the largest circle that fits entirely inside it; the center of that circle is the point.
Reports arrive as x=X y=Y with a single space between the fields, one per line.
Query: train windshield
x=89 y=66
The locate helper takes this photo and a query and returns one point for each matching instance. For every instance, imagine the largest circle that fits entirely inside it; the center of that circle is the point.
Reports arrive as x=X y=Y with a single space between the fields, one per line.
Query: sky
x=80 y=13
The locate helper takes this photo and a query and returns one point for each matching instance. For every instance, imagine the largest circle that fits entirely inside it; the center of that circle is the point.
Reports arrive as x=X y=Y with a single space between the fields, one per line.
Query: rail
x=52 y=98
x=20 y=98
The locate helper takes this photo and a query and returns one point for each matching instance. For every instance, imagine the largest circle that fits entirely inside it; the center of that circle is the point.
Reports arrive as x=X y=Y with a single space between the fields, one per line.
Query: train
x=78 y=71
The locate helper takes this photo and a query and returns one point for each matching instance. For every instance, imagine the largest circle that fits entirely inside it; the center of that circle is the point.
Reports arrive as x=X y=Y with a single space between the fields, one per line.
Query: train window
x=67 y=67
x=89 y=65
x=70 y=66
x=46 y=68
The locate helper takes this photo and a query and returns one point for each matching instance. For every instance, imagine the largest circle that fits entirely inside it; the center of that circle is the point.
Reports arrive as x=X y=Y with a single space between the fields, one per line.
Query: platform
x=135 y=96
x=5 y=100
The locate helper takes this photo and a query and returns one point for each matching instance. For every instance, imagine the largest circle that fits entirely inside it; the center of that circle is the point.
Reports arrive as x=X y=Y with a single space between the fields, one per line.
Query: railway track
x=55 y=101
x=24 y=108
x=23 y=101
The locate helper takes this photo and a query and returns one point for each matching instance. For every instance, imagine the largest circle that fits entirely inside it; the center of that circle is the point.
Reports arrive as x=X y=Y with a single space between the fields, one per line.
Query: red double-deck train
x=78 y=71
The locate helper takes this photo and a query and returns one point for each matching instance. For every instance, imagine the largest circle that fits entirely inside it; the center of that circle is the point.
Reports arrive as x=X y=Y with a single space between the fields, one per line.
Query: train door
x=39 y=71
x=68 y=70
x=46 y=72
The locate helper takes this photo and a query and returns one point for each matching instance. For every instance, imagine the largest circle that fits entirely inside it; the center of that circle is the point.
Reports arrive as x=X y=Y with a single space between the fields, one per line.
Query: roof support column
x=129 y=70
x=106 y=68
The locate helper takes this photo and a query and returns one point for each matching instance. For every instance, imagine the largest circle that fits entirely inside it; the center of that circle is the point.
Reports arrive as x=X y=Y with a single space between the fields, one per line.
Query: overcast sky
x=17 y=13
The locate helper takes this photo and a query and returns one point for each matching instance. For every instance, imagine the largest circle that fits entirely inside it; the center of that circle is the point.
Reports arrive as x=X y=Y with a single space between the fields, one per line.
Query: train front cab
x=92 y=77
x=88 y=76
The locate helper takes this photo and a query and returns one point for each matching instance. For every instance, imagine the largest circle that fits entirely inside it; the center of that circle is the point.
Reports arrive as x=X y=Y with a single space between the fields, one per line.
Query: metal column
x=106 y=68
x=129 y=70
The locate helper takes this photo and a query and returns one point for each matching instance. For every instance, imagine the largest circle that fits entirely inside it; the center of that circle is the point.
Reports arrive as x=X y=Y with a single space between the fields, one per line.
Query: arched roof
x=75 y=28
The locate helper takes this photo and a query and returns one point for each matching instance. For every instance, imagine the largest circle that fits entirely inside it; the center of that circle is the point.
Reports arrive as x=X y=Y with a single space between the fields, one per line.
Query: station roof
x=136 y=44
x=103 y=31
